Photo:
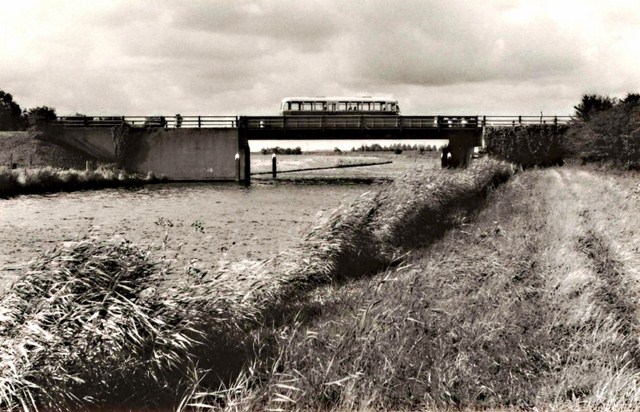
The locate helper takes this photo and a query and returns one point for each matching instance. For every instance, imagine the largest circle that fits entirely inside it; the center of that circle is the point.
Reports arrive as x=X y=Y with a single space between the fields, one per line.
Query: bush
x=529 y=145
x=609 y=133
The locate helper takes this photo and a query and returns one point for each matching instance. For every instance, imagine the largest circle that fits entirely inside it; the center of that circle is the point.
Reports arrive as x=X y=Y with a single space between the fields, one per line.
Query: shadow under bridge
x=463 y=132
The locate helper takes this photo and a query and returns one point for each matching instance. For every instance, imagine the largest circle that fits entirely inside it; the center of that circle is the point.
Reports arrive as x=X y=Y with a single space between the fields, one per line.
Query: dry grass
x=533 y=305
x=48 y=179
x=96 y=324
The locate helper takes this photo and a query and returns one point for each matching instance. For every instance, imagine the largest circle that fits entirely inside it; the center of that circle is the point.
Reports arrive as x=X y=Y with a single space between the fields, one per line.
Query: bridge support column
x=461 y=146
x=247 y=164
x=244 y=174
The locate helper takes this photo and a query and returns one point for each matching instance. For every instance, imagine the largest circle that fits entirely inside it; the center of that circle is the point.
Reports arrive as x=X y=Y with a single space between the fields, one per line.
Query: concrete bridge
x=218 y=147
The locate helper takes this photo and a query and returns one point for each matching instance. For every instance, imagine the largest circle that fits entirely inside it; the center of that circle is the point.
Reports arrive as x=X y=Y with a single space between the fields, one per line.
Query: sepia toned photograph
x=319 y=205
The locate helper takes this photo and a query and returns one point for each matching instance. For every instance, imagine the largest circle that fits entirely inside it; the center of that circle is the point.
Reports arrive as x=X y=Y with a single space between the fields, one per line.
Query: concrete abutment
x=177 y=154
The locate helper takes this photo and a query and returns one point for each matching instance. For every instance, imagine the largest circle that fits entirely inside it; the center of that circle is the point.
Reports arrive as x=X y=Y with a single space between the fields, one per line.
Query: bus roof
x=339 y=99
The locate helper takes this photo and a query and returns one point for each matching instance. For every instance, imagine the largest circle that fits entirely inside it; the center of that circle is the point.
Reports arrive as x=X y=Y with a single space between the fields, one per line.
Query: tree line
x=13 y=117
x=606 y=129
x=394 y=147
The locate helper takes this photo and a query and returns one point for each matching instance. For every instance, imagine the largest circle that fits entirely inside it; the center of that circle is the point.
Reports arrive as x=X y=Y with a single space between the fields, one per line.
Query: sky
x=196 y=57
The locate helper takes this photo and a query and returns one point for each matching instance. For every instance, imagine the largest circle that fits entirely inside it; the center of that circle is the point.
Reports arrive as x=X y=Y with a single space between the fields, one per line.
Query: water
x=198 y=224
x=344 y=145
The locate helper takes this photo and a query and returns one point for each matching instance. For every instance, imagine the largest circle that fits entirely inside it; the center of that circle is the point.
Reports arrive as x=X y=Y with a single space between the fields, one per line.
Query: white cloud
x=215 y=57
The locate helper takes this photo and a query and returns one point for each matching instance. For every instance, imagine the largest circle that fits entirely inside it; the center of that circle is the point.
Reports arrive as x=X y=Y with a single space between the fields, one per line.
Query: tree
x=41 y=115
x=593 y=103
x=10 y=113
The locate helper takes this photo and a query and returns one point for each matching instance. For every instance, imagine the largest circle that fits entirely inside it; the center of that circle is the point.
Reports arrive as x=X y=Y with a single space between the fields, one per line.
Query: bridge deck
x=313 y=122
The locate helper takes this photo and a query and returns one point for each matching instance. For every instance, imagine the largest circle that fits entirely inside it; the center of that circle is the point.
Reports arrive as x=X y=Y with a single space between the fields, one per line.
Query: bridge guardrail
x=312 y=122
x=150 y=121
x=356 y=122
x=509 y=121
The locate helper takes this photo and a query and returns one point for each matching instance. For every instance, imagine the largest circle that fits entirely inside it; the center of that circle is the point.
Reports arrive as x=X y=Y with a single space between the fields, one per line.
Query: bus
x=292 y=106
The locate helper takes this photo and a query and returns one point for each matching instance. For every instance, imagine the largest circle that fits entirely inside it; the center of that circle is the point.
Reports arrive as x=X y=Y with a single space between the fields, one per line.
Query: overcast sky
x=242 y=57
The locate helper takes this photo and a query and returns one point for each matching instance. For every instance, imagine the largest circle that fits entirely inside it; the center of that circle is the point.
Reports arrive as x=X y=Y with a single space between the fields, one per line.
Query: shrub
x=528 y=145
x=610 y=133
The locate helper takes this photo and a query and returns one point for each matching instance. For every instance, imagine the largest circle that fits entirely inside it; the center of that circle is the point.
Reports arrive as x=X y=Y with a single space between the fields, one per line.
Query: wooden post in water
x=247 y=165
x=274 y=168
x=238 y=168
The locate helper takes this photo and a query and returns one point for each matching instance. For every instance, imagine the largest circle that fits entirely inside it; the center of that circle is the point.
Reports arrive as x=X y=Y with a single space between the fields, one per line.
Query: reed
x=14 y=182
x=530 y=306
x=97 y=322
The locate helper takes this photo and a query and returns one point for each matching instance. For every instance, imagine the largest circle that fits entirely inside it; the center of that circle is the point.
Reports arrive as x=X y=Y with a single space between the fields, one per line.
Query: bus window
x=306 y=106
x=342 y=106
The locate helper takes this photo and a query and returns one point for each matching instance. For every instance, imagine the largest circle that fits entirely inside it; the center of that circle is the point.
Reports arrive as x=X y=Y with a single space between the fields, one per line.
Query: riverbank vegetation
x=532 y=305
x=607 y=130
x=102 y=323
x=604 y=130
x=19 y=181
x=527 y=145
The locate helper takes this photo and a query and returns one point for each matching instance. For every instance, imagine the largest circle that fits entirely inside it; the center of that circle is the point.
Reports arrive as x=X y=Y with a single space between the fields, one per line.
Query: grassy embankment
x=15 y=182
x=96 y=322
x=532 y=304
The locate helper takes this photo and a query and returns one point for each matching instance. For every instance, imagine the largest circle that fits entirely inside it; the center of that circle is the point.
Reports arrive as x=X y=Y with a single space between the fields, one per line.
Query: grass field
x=533 y=303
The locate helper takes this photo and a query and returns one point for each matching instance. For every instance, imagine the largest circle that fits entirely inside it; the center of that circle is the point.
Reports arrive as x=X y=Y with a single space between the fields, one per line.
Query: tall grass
x=96 y=323
x=531 y=307
x=85 y=324
x=528 y=145
x=47 y=180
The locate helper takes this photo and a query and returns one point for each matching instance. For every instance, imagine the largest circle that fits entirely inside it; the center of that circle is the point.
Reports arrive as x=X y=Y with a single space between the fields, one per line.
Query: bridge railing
x=356 y=122
x=149 y=121
x=507 y=121
x=312 y=122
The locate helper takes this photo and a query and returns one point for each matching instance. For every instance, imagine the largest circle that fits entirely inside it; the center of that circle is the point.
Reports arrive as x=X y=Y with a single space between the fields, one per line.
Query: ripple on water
x=211 y=223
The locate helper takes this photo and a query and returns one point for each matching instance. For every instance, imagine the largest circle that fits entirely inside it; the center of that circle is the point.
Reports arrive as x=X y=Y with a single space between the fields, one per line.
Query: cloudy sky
x=242 y=57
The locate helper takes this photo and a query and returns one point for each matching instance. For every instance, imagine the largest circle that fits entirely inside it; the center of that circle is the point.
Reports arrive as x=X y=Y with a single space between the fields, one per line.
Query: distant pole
x=274 y=168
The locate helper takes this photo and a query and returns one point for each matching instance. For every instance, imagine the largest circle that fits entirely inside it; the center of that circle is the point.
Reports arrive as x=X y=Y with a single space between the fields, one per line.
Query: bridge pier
x=244 y=173
x=461 y=144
